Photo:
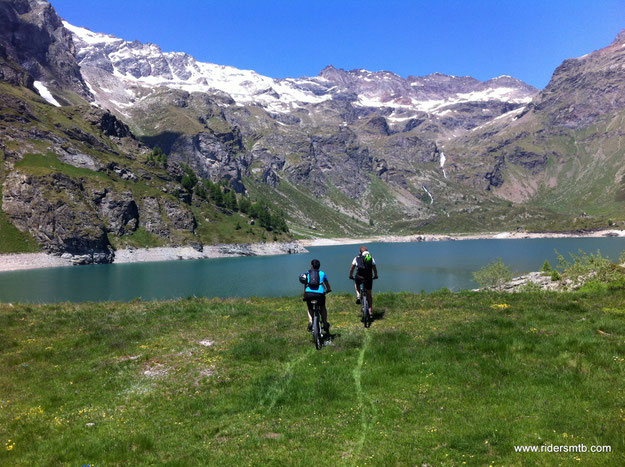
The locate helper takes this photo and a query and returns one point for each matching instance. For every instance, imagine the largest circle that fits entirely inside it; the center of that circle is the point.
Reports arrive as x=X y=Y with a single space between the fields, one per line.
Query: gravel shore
x=441 y=237
x=22 y=261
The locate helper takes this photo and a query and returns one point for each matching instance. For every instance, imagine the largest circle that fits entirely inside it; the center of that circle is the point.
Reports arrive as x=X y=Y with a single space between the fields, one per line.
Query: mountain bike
x=364 y=304
x=317 y=328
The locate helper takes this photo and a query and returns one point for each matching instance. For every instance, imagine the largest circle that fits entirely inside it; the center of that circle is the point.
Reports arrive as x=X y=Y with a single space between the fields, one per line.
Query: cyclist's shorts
x=321 y=299
x=368 y=281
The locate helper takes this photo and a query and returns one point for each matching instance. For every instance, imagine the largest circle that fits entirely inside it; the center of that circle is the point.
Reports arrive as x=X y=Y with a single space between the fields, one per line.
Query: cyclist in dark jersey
x=317 y=286
x=366 y=271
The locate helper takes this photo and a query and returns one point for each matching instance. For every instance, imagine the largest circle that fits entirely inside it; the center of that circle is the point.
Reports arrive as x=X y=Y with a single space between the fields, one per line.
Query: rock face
x=12 y=72
x=584 y=89
x=33 y=35
x=56 y=211
x=119 y=210
x=158 y=216
x=561 y=146
x=211 y=156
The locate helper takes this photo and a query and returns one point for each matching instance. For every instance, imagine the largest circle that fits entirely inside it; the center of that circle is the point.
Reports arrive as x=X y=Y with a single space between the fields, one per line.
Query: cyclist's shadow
x=377 y=315
x=329 y=338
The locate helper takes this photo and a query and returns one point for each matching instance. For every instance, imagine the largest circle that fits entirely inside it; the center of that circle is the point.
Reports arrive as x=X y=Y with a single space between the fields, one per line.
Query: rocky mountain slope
x=84 y=116
x=358 y=142
x=563 y=151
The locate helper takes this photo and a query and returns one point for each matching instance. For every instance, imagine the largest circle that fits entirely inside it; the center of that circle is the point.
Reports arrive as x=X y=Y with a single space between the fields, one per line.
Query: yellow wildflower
x=500 y=306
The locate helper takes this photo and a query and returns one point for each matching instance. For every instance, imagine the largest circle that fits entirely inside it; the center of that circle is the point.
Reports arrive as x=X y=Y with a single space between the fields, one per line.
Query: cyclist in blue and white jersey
x=317 y=286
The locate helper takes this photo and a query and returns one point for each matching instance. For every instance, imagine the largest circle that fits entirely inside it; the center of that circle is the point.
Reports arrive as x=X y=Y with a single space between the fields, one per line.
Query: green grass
x=304 y=210
x=216 y=226
x=14 y=241
x=442 y=379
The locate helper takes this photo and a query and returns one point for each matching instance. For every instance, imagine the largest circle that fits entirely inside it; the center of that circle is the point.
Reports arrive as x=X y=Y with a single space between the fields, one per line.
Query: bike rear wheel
x=364 y=306
x=365 y=312
x=316 y=330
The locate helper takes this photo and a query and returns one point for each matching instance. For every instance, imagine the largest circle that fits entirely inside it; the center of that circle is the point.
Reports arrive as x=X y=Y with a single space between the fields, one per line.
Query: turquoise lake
x=408 y=267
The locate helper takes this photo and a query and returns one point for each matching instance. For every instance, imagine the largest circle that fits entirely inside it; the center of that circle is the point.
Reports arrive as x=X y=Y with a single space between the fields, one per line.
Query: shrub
x=555 y=276
x=494 y=275
x=546 y=266
x=189 y=179
x=157 y=156
x=585 y=267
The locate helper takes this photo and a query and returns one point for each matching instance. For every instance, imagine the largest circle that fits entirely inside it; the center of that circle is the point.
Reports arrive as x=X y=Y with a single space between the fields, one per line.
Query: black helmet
x=303 y=278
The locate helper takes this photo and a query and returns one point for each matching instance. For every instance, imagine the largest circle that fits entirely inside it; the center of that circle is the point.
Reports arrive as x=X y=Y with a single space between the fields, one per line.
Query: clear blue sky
x=290 y=38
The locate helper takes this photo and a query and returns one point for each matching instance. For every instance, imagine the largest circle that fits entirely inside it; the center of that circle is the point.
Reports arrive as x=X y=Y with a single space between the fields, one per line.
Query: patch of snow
x=442 y=163
x=120 y=104
x=45 y=93
x=429 y=194
x=509 y=114
x=91 y=90
x=499 y=94
x=398 y=119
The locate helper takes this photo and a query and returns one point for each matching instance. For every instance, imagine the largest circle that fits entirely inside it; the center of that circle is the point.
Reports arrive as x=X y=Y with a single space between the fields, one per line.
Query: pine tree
x=245 y=205
x=230 y=200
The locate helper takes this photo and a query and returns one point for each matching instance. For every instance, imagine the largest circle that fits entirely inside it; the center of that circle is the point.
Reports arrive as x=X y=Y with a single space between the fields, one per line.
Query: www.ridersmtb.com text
x=563 y=448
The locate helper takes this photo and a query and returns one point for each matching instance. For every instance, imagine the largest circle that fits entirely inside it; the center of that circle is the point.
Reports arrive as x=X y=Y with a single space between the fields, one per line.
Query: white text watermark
x=563 y=448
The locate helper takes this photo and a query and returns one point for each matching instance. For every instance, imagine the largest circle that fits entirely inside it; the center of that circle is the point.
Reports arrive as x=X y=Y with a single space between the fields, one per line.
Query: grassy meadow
x=438 y=379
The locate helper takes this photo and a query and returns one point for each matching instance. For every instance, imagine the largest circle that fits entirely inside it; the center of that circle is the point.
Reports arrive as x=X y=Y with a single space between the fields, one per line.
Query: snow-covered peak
x=89 y=37
x=120 y=72
x=135 y=64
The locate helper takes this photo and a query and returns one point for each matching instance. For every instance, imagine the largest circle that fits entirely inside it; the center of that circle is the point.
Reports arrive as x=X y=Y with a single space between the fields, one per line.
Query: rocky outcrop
x=118 y=210
x=107 y=122
x=56 y=210
x=159 y=216
x=212 y=156
x=495 y=176
x=12 y=72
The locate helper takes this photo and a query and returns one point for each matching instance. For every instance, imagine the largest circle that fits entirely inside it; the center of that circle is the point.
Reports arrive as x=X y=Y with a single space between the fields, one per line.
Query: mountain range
x=85 y=117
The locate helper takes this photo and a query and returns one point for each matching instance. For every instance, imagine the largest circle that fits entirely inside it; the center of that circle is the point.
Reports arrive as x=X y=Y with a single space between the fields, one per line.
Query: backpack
x=313 y=279
x=364 y=269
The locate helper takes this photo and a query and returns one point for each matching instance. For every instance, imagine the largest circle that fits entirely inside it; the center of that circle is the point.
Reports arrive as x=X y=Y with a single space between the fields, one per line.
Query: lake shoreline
x=26 y=261
x=455 y=237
